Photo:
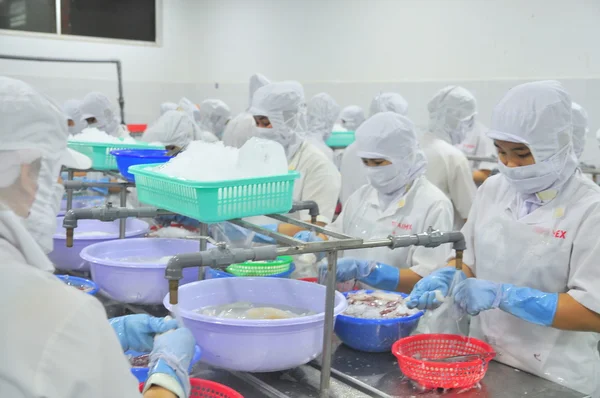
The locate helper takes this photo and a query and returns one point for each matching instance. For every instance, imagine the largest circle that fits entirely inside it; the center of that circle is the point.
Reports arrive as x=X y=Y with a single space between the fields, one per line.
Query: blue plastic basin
x=132 y=157
x=374 y=335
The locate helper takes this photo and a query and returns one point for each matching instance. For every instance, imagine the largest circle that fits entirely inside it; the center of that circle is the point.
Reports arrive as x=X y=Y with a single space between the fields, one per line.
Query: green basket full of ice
x=97 y=145
x=340 y=139
x=203 y=181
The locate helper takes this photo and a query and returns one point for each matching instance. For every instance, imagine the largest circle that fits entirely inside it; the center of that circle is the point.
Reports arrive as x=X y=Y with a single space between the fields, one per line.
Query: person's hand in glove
x=475 y=295
x=136 y=332
x=170 y=360
x=378 y=275
x=423 y=296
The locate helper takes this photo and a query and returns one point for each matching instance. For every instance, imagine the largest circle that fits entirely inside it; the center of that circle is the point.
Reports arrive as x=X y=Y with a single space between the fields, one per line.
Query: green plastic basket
x=99 y=152
x=340 y=139
x=215 y=201
x=261 y=268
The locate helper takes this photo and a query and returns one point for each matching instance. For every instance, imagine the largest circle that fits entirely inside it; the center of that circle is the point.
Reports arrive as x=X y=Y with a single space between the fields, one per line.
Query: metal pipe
x=310 y=227
x=203 y=229
x=88 y=61
x=310 y=205
x=328 y=327
x=122 y=221
x=70 y=176
x=97 y=184
x=279 y=238
x=105 y=213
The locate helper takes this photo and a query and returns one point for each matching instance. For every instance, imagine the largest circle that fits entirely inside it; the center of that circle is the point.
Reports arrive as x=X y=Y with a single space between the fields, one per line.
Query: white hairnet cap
x=536 y=114
x=277 y=97
x=172 y=128
x=256 y=81
x=449 y=107
x=389 y=102
x=322 y=113
x=352 y=117
x=32 y=123
x=167 y=106
x=72 y=108
x=214 y=115
x=390 y=136
x=580 y=128
x=97 y=105
x=190 y=108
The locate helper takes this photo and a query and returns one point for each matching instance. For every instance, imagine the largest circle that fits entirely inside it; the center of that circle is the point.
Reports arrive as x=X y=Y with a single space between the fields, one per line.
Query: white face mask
x=536 y=177
x=386 y=179
x=41 y=222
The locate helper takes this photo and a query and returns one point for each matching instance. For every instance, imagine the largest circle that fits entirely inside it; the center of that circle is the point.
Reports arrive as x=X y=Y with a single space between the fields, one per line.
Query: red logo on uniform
x=560 y=234
x=557 y=233
x=407 y=227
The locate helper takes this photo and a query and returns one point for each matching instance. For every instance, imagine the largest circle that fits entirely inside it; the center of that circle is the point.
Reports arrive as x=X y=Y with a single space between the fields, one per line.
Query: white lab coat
x=321 y=145
x=423 y=206
x=319 y=181
x=554 y=249
x=448 y=169
x=56 y=341
x=478 y=144
x=353 y=172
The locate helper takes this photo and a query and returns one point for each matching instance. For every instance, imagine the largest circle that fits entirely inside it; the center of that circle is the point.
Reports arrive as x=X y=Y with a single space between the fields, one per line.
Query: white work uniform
x=423 y=206
x=448 y=169
x=322 y=146
x=353 y=172
x=319 y=181
x=56 y=341
x=478 y=144
x=554 y=249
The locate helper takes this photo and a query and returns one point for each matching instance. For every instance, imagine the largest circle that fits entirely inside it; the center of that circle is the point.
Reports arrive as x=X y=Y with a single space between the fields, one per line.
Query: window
x=110 y=19
x=28 y=15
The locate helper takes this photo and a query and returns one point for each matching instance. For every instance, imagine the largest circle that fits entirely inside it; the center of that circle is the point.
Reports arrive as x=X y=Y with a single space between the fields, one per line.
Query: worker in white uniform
x=214 y=116
x=322 y=113
x=531 y=265
x=58 y=343
x=476 y=143
x=167 y=106
x=172 y=128
x=193 y=112
x=450 y=116
x=351 y=167
x=279 y=110
x=98 y=112
x=352 y=117
x=72 y=108
x=398 y=200
x=257 y=81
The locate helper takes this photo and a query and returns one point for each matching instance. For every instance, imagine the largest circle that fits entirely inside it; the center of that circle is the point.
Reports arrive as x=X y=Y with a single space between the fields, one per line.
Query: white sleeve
x=425 y=260
x=84 y=358
x=460 y=185
x=468 y=230
x=322 y=184
x=584 y=272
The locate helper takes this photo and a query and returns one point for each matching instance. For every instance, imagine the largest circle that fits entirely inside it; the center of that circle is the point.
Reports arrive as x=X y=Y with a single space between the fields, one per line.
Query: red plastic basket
x=442 y=374
x=209 y=389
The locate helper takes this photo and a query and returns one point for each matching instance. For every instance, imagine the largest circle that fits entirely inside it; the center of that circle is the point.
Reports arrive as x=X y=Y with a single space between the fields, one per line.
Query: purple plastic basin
x=256 y=345
x=131 y=271
x=67 y=258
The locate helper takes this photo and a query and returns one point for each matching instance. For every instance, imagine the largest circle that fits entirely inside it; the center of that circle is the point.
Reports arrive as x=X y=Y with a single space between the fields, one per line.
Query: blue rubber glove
x=476 y=295
x=260 y=238
x=378 y=275
x=136 y=332
x=423 y=294
x=308 y=237
x=170 y=360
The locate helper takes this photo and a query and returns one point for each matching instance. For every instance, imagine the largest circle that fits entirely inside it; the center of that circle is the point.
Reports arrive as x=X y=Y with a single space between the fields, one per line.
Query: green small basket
x=99 y=152
x=215 y=201
x=261 y=268
x=340 y=139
